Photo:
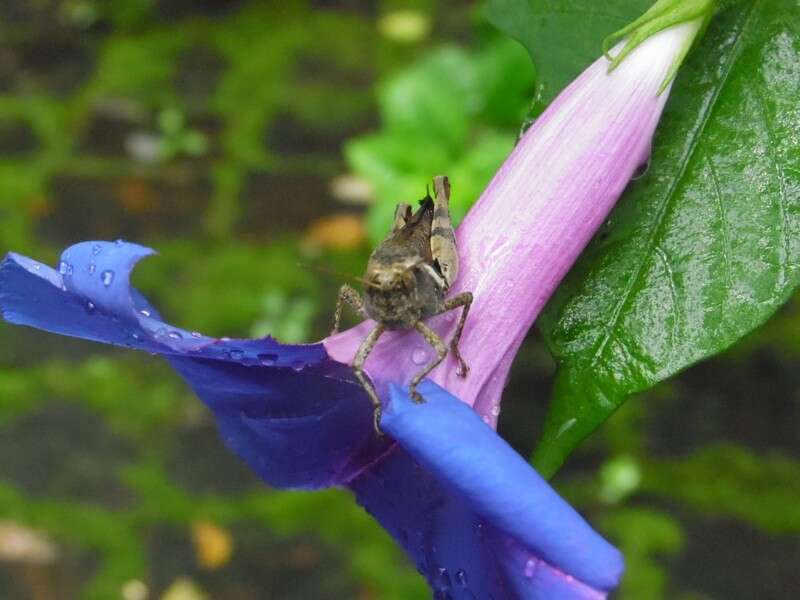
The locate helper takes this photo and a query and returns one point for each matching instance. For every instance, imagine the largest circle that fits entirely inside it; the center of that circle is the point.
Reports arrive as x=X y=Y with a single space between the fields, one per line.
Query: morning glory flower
x=537 y=214
x=477 y=520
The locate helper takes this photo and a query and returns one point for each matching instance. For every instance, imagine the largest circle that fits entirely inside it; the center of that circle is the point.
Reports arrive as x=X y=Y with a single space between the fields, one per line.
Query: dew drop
x=496 y=410
x=175 y=335
x=90 y=307
x=236 y=354
x=136 y=337
x=461 y=577
x=298 y=365
x=196 y=334
x=119 y=241
x=268 y=360
x=92 y=268
x=97 y=249
x=107 y=277
x=441 y=579
x=63 y=267
x=419 y=356
x=530 y=568
x=487 y=419
x=146 y=313
x=224 y=339
x=36 y=267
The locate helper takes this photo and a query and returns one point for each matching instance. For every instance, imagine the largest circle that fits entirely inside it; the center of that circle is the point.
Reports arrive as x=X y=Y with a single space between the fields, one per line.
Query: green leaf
x=562 y=36
x=705 y=246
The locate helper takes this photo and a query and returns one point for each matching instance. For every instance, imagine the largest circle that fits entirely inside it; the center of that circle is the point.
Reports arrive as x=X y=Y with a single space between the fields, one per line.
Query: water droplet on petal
x=63 y=267
x=496 y=410
x=298 y=365
x=175 y=335
x=90 y=307
x=487 y=419
x=92 y=268
x=36 y=267
x=530 y=568
x=146 y=313
x=461 y=577
x=641 y=170
x=119 y=241
x=136 y=337
x=236 y=354
x=441 y=579
x=107 y=277
x=96 y=249
x=196 y=334
x=268 y=360
x=419 y=356
x=224 y=339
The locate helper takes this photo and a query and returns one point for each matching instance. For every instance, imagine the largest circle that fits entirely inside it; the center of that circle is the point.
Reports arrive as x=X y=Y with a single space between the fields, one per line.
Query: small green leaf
x=703 y=248
x=562 y=36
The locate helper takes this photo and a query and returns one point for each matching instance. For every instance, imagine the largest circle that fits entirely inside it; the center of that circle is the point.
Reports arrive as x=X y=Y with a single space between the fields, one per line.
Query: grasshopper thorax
x=400 y=293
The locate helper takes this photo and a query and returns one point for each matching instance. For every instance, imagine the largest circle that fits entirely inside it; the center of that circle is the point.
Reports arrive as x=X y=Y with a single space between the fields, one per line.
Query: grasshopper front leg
x=441 y=351
x=347 y=295
x=358 y=368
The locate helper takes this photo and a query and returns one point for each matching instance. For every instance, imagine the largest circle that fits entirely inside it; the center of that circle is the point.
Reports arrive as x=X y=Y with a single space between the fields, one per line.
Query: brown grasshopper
x=406 y=280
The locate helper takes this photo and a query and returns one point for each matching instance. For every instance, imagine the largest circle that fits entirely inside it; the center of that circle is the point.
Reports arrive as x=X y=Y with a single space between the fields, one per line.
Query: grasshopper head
x=394 y=276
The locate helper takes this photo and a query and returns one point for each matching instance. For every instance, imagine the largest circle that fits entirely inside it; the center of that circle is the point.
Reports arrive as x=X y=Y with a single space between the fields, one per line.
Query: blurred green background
x=244 y=140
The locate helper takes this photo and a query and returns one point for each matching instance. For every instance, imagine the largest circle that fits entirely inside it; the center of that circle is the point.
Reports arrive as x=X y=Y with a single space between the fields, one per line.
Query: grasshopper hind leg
x=443 y=238
x=463 y=299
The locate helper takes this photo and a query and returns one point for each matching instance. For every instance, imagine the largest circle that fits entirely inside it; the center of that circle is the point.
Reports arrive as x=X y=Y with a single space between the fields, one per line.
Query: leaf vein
x=784 y=253
x=694 y=138
x=720 y=204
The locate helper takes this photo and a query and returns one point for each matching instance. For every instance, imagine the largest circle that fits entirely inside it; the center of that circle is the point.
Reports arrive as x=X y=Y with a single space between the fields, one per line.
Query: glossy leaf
x=705 y=246
x=563 y=37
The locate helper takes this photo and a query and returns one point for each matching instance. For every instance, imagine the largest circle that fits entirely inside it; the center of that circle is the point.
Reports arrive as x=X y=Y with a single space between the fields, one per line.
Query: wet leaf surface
x=700 y=250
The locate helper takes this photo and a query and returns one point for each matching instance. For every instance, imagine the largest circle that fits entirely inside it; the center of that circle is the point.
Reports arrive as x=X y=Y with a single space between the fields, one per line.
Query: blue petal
x=297 y=417
x=472 y=463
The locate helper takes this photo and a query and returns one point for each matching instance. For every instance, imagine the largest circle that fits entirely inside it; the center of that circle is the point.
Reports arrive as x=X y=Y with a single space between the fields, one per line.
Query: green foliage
x=703 y=248
x=563 y=38
x=759 y=490
x=454 y=112
x=644 y=535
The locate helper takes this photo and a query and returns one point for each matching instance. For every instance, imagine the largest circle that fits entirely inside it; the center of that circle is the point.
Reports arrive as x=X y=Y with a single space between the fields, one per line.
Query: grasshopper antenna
x=334 y=273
